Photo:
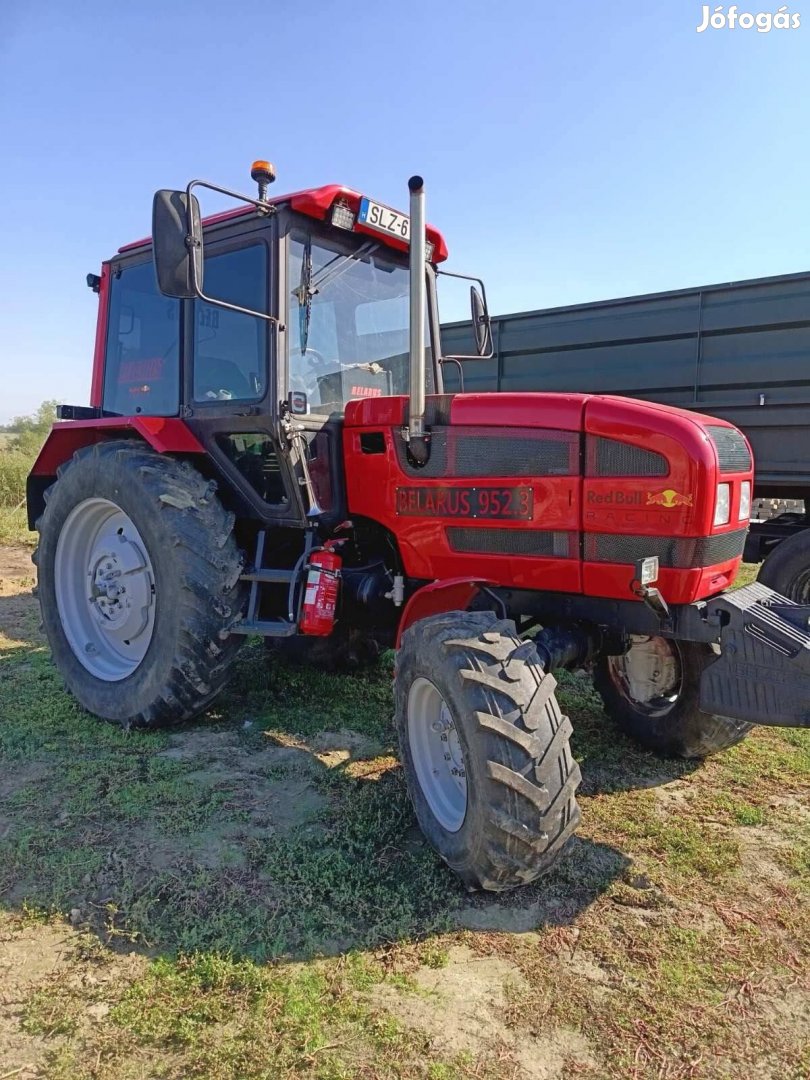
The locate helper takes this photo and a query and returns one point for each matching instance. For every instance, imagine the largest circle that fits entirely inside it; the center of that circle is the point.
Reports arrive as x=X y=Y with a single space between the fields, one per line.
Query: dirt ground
x=671 y=942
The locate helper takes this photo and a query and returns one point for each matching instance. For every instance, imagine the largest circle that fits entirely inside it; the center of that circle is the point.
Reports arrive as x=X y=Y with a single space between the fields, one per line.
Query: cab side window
x=142 y=368
x=230 y=349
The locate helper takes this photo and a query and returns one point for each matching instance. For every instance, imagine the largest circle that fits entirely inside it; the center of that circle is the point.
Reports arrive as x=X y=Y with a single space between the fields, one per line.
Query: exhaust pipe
x=415 y=432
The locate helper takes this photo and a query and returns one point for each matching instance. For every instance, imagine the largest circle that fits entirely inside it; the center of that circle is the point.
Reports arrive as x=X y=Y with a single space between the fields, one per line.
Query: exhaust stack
x=415 y=432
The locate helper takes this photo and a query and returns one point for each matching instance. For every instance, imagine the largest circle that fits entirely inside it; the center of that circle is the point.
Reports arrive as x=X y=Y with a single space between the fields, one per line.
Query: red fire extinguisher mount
x=320 y=593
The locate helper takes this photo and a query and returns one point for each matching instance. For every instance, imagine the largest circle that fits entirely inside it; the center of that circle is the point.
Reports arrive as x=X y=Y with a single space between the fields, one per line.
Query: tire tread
x=210 y=594
x=517 y=727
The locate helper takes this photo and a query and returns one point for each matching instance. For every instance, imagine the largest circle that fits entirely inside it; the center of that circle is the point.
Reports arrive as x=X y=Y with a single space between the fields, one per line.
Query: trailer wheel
x=484 y=748
x=138 y=584
x=787 y=568
x=652 y=691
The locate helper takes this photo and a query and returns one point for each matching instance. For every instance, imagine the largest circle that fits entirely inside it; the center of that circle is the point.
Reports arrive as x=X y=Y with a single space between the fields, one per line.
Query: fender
x=165 y=434
x=453 y=594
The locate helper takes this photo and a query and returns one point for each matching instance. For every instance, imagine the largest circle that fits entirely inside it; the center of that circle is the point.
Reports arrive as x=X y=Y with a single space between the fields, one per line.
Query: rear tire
x=484 y=748
x=787 y=568
x=652 y=693
x=138 y=584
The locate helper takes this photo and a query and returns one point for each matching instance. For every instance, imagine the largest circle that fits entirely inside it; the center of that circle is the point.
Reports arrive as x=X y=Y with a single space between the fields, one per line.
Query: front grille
x=609 y=457
x=732 y=450
x=465 y=452
x=537 y=542
x=678 y=553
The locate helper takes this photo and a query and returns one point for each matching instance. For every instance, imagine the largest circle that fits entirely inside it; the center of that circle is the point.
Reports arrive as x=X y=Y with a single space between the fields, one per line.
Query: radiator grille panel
x=678 y=553
x=732 y=450
x=463 y=452
x=560 y=545
x=609 y=457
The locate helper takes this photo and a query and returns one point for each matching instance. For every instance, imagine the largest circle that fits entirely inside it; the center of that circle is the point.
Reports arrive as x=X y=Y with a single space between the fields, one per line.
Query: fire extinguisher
x=321 y=593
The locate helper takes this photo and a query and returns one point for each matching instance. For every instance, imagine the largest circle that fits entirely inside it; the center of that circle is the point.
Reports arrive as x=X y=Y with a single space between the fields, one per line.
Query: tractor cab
x=259 y=327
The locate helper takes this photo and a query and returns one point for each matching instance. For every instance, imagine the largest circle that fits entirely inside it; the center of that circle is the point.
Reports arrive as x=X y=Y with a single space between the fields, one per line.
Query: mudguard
x=454 y=594
x=165 y=434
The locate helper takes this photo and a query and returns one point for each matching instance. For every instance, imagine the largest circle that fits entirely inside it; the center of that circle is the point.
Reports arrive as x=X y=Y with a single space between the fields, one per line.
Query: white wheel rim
x=105 y=589
x=649 y=674
x=437 y=755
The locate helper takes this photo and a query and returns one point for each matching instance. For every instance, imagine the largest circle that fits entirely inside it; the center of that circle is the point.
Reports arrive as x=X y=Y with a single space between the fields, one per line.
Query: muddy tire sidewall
x=117 y=478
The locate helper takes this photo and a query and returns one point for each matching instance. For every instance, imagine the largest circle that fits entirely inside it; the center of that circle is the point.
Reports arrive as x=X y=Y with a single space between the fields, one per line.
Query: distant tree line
x=28 y=432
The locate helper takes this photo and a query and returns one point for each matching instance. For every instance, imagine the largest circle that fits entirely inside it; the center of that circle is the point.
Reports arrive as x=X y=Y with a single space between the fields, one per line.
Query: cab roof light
x=342 y=215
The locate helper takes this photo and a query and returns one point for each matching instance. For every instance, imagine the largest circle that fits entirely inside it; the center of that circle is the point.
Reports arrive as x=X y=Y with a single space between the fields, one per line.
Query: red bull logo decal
x=668 y=498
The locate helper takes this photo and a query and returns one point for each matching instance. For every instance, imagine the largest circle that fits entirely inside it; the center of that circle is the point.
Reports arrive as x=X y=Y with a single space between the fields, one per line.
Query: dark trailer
x=740 y=351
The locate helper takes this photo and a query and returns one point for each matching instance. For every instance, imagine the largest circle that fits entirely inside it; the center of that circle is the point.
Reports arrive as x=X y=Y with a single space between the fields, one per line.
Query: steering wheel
x=320 y=359
x=307 y=380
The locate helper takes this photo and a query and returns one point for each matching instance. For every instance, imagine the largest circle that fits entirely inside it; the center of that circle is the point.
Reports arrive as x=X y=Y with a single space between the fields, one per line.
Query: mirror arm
x=458 y=357
x=263 y=206
x=193 y=241
x=457 y=361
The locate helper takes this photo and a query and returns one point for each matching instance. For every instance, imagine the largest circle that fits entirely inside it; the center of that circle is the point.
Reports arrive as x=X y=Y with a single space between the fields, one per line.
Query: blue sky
x=572 y=151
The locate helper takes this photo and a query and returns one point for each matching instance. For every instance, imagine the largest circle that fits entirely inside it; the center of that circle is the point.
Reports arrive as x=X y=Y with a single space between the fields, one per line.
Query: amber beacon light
x=264 y=174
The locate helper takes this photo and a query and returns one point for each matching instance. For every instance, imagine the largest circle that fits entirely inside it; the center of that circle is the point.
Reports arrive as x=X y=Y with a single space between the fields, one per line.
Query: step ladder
x=257 y=575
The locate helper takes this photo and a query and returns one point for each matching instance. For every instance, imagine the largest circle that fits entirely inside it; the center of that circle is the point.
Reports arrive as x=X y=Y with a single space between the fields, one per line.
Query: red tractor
x=269 y=451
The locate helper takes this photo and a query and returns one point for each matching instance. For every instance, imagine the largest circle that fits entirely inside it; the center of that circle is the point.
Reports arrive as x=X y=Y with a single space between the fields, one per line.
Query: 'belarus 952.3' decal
x=469 y=502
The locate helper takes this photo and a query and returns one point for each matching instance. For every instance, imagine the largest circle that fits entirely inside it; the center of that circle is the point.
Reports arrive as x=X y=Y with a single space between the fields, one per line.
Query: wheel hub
x=108 y=612
x=649 y=674
x=437 y=754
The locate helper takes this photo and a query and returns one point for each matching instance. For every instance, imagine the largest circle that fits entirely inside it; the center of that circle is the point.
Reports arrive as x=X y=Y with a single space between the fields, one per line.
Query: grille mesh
x=679 y=553
x=478 y=541
x=609 y=457
x=732 y=449
x=459 y=451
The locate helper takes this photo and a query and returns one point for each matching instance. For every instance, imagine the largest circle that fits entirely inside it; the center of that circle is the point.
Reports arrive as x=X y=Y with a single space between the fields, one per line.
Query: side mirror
x=177 y=244
x=482 y=327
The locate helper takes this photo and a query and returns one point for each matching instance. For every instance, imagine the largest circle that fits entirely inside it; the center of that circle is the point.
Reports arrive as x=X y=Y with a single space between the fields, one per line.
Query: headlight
x=745 y=500
x=722 y=507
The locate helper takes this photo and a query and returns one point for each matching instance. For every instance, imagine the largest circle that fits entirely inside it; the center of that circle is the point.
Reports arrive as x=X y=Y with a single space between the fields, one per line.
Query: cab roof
x=317 y=203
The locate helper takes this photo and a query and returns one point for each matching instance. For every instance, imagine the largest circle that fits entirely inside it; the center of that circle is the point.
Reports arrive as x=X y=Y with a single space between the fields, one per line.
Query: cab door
x=230 y=398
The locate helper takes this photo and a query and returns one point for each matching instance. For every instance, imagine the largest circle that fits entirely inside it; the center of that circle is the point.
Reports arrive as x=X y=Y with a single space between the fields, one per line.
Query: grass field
x=14 y=468
x=249 y=898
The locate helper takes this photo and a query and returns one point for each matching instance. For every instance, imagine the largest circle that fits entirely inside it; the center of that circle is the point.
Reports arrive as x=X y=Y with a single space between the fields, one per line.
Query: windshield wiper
x=304 y=294
x=308 y=285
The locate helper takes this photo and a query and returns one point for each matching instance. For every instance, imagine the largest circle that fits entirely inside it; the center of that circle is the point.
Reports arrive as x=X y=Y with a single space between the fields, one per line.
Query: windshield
x=348 y=324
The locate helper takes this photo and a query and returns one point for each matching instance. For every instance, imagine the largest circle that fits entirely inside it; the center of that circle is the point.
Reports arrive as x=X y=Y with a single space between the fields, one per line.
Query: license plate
x=511 y=503
x=385 y=220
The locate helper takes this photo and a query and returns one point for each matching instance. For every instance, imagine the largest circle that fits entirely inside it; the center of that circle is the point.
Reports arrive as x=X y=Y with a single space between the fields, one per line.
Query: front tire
x=138 y=584
x=652 y=694
x=485 y=749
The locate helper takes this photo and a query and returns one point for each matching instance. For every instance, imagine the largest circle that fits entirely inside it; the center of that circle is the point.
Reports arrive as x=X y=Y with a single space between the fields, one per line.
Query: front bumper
x=762 y=673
